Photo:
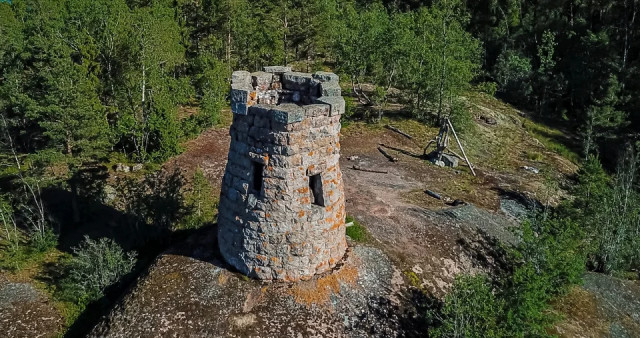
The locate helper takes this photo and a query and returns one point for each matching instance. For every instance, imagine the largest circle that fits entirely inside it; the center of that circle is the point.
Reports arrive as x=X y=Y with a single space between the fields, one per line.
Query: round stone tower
x=282 y=203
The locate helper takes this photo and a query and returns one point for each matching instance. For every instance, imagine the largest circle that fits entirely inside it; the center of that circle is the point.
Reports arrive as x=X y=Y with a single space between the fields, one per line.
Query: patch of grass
x=552 y=139
x=534 y=156
x=356 y=232
x=629 y=275
x=421 y=132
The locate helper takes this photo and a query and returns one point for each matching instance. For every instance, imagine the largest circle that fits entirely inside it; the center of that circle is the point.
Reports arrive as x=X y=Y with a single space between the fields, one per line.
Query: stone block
x=449 y=160
x=330 y=89
x=296 y=81
x=313 y=110
x=239 y=108
x=277 y=69
x=335 y=102
x=261 y=80
x=241 y=77
x=259 y=158
x=314 y=88
x=287 y=113
x=325 y=77
x=260 y=109
x=316 y=169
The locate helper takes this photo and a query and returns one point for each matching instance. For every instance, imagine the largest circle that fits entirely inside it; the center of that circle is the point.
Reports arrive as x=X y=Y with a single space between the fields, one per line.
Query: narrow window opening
x=315 y=186
x=256 y=182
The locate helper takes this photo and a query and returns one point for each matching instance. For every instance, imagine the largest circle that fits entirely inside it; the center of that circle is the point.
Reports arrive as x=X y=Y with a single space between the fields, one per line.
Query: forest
x=89 y=84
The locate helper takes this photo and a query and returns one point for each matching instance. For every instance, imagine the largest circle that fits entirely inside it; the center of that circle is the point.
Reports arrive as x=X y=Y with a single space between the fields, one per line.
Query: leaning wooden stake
x=461 y=148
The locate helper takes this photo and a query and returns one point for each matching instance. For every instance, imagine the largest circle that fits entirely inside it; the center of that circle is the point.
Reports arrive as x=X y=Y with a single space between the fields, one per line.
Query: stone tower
x=282 y=204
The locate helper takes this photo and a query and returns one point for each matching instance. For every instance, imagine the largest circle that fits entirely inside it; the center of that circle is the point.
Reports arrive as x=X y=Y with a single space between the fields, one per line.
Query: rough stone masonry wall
x=282 y=204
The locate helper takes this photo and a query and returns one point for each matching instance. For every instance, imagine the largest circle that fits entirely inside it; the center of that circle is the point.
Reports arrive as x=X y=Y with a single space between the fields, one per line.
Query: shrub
x=201 y=204
x=489 y=88
x=469 y=310
x=95 y=266
x=549 y=258
x=349 y=108
x=44 y=241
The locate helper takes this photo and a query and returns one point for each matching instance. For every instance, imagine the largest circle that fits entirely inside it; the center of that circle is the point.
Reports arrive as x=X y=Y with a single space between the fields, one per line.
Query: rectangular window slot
x=315 y=187
x=257 y=176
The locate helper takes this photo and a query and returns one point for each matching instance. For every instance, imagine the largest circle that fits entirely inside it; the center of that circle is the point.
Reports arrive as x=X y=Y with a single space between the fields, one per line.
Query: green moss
x=356 y=232
x=414 y=279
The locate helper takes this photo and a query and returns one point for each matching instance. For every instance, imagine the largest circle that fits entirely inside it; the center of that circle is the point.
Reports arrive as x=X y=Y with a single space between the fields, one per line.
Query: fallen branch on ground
x=389 y=157
x=433 y=194
x=356 y=167
x=399 y=131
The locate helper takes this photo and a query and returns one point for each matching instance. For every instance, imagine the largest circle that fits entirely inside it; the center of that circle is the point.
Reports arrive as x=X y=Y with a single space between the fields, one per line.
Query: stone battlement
x=282 y=200
x=286 y=96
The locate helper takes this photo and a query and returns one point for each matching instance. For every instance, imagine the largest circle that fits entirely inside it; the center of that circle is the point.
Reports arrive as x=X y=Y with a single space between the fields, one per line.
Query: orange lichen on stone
x=262 y=258
x=319 y=291
x=336 y=225
x=301 y=214
x=304 y=200
x=222 y=278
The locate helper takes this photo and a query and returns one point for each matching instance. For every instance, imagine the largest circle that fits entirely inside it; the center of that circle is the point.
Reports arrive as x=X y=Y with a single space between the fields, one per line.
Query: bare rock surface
x=26 y=312
x=190 y=292
x=604 y=306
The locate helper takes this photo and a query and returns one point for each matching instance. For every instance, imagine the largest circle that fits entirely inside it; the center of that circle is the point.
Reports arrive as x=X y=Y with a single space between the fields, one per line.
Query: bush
x=470 y=310
x=200 y=202
x=489 y=88
x=44 y=241
x=349 y=108
x=95 y=266
x=549 y=258
x=608 y=209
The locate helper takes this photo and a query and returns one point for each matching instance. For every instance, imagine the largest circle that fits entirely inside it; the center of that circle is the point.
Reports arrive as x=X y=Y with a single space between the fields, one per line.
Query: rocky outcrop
x=190 y=292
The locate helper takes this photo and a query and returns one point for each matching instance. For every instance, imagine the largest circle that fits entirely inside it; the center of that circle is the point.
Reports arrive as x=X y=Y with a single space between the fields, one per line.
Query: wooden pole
x=461 y=148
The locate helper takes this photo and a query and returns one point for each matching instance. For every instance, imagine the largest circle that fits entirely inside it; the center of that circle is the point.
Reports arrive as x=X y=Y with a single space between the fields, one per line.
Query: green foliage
x=489 y=88
x=461 y=117
x=356 y=232
x=42 y=242
x=470 y=310
x=200 y=202
x=548 y=259
x=513 y=72
x=95 y=266
x=608 y=209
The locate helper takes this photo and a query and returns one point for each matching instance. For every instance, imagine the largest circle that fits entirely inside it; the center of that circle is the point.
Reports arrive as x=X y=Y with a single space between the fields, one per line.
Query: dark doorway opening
x=315 y=186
